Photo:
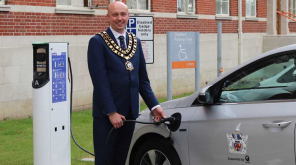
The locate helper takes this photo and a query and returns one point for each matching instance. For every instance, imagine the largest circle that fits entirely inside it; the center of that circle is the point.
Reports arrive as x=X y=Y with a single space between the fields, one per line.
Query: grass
x=16 y=138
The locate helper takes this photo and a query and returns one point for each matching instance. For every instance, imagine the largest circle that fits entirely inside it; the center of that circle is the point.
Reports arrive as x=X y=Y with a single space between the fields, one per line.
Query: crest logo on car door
x=237 y=142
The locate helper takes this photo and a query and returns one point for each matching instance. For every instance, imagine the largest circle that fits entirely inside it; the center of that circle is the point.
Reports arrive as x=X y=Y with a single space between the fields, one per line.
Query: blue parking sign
x=132 y=23
x=132 y=26
x=134 y=31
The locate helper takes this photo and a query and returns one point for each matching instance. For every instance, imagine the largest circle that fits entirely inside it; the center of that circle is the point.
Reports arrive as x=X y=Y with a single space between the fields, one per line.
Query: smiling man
x=118 y=71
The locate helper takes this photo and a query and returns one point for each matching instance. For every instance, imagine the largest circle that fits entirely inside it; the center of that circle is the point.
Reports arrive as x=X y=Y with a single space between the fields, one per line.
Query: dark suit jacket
x=116 y=88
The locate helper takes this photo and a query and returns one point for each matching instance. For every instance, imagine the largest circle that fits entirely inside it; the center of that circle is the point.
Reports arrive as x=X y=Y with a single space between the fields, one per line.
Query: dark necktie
x=122 y=44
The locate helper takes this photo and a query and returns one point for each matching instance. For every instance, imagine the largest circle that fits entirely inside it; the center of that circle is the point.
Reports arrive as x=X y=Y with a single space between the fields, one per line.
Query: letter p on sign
x=131 y=23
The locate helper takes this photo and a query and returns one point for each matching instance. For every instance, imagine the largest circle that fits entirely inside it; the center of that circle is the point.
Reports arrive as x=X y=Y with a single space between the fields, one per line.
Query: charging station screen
x=58 y=77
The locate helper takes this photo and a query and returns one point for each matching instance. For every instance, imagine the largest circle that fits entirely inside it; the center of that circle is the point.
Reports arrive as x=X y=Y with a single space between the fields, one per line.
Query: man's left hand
x=158 y=114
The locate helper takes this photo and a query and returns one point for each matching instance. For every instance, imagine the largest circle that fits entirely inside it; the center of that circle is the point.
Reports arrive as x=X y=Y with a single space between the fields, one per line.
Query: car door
x=249 y=122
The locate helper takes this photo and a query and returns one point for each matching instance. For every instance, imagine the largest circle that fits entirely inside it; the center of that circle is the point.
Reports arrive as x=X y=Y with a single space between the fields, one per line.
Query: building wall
x=37 y=21
x=272 y=42
x=16 y=68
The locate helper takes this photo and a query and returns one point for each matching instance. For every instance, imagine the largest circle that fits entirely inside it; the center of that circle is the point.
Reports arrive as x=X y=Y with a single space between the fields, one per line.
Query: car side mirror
x=205 y=96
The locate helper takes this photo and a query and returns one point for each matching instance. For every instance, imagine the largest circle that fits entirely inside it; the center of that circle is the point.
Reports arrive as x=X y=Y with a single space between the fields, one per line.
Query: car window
x=267 y=79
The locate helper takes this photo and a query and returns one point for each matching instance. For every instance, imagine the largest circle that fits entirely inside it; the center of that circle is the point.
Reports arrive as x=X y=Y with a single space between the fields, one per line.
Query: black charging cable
x=168 y=119
x=71 y=75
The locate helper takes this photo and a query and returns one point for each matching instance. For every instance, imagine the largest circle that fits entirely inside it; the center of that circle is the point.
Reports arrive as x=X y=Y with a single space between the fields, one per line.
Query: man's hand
x=158 y=113
x=116 y=120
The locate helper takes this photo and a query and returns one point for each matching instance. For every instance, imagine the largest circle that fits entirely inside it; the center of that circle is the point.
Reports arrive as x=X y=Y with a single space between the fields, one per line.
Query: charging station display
x=59 y=77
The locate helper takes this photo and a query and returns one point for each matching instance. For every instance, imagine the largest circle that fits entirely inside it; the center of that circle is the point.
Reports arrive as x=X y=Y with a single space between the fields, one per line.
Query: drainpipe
x=240 y=33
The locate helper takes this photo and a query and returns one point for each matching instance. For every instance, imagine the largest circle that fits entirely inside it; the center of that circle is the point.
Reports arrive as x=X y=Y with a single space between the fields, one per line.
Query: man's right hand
x=116 y=119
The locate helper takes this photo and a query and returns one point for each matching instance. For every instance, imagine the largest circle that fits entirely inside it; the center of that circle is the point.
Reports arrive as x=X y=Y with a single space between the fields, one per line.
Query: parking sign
x=142 y=27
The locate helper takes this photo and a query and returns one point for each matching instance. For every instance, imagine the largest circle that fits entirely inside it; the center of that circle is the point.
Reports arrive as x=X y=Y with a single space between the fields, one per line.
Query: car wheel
x=156 y=152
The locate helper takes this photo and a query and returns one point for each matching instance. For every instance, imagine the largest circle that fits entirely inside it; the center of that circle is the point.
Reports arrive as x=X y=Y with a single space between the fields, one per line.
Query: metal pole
x=197 y=67
x=240 y=28
x=219 y=50
x=169 y=67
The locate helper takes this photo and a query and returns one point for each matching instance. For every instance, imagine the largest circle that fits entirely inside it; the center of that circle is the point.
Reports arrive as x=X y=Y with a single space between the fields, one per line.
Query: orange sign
x=221 y=70
x=183 y=64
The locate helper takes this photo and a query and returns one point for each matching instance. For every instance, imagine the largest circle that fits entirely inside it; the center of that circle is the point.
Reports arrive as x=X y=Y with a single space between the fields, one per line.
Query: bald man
x=118 y=71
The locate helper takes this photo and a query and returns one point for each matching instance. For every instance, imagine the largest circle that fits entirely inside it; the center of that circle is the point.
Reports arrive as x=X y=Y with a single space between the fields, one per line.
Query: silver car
x=247 y=115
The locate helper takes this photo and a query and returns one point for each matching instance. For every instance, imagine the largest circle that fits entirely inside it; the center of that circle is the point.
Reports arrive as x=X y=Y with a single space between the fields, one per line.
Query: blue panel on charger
x=59 y=77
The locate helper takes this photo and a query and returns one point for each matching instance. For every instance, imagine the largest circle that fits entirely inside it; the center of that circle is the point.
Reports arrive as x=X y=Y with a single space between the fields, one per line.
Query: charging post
x=51 y=105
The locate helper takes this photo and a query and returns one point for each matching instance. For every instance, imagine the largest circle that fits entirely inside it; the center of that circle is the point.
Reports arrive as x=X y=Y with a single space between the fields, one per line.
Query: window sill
x=218 y=17
x=187 y=16
x=251 y=19
x=4 y=8
x=74 y=10
x=144 y=13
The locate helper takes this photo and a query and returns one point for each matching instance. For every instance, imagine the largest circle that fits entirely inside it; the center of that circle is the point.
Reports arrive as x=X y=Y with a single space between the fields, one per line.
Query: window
x=138 y=4
x=250 y=8
x=186 y=6
x=222 y=7
x=73 y=3
x=293 y=7
x=271 y=79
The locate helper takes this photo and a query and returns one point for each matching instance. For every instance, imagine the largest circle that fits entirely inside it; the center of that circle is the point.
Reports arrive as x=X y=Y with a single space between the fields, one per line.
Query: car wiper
x=255 y=88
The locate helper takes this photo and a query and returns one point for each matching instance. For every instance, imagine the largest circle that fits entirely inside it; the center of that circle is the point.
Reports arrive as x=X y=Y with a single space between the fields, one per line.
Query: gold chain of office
x=131 y=47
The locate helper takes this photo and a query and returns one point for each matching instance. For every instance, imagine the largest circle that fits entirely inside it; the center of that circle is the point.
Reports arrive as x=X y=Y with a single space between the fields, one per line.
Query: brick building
x=75 y=21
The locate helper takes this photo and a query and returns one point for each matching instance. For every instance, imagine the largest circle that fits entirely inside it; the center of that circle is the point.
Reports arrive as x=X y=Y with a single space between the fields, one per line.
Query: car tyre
x=156 y=151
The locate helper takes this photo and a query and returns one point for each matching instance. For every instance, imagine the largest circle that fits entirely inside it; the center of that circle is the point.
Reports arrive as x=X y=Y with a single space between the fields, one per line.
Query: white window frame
x=220 y=14
x=292 y=6
x=76 y=7
x=114 y=1
x=140 y=10
x=74 y=4
x=187 y=7
x=249 y=7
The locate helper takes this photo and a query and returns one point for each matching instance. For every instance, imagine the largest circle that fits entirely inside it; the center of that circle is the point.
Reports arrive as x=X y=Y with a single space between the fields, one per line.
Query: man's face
x=118 y=16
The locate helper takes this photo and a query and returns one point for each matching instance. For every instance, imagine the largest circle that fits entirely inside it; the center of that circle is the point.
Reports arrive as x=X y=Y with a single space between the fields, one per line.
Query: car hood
x=172 y=103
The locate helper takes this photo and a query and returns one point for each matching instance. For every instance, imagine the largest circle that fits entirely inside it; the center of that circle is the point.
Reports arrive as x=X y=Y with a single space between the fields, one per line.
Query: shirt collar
x=116 y=34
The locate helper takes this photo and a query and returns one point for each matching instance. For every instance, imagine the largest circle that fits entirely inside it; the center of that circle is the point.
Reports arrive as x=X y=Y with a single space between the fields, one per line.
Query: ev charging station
x=51 y=104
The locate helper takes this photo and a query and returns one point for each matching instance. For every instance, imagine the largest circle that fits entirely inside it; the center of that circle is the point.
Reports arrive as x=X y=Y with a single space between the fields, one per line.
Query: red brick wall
x=233 y=7
x=243 y=8
x=100 y=2
x=292 y=26
x=36 y=24
x=21 y=23
x=164 y=6
x=32 y=2
x=162 y=25
x=50 y=2
x=207 y=7
x=261 y=8
x=254 y=27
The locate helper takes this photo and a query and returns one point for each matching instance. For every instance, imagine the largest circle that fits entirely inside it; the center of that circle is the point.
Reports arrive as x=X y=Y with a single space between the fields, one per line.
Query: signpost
x=142 y=27
x=183 y=52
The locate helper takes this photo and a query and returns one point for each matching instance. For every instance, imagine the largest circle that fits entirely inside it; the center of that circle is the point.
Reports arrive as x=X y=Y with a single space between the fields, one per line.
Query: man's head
x=118 y=16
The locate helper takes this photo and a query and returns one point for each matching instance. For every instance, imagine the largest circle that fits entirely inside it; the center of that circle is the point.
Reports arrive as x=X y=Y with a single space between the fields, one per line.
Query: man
x=118 y=71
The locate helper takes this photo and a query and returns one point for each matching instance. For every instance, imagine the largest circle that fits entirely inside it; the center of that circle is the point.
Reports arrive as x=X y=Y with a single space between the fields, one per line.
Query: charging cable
x=71 y=75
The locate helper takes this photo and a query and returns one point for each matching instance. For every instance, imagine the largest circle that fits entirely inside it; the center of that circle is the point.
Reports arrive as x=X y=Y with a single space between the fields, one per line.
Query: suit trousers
x=119 y=140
